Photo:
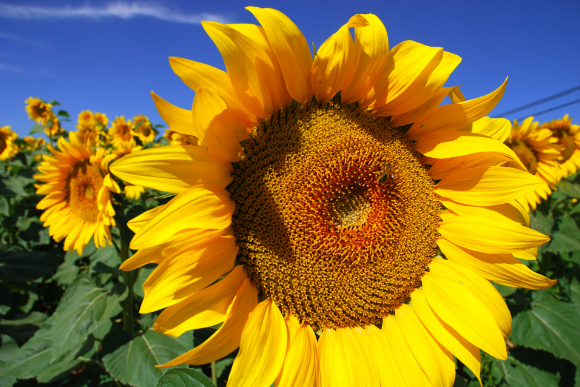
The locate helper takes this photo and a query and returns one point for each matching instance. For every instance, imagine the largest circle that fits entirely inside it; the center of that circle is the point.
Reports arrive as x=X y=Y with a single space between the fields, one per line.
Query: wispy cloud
x=15 y=38
x=10 y=69
x=120 y=10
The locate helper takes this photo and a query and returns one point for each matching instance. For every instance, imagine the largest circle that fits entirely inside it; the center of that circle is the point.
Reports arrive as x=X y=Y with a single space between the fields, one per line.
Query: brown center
x=526 y=154
x=3 y=144
x=567 y=143
x=336 y=216
x=85 y=181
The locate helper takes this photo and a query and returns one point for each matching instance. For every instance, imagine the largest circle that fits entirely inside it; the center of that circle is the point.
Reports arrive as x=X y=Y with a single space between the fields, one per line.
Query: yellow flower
x=86 y=120
x=38 y=110
x=569 y=138
x=143 y=129
x=175 y=138
x=134 y=191
x=89 y=129
x=33 y=143
x=78 y=188
x=120 y=131
x=54 y=128
x=538 y=150
x=101 y=118
x=122 y=149
x=8 y=148
x=323 y=217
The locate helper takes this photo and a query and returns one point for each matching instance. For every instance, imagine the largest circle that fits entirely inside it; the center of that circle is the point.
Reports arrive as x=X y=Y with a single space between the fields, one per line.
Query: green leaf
x=62 y=369
x=35 y=356
x=5 y=299
x=541 y=223
x=131 y=360
x=26 y=265
x=83 y=307
x=183 y=377
x=7 y=352
x=18 y=183
x=567 y=238
x=518 y=374
x=550 y=325
x=575 y=292
x=505 y=291
x=142 y=276
x=4 y=208
x=63 y=113
x=67 y=271
x=569 y=189
x=37 y=129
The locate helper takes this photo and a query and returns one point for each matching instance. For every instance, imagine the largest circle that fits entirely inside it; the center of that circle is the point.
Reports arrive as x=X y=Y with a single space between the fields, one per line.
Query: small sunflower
x=175 y=138
x=78 y=188
x=569 y=138
x=33 y=143
x=143 y=129
x=54 y=128
x=538 y=150
x=316 y=196
x=101 y=119
x=120 y=131
x=38 y=110
x=88 y=128
x=8 y=147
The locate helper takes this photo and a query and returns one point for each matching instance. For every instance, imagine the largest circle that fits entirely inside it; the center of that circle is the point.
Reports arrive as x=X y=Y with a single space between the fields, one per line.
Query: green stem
x=128 y=319
x=214 y=377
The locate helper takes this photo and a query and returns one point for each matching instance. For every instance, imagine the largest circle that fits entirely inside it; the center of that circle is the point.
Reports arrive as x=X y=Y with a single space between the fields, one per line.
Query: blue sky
x=107 y=56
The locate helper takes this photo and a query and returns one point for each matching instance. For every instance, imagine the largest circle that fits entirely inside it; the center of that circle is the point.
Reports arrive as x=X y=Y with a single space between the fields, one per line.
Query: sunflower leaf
x=83 y=307
x=132 y=359
x=184 y=378
x=517 y=374
x=549 y=325
x=26 y=265
x=567 y=238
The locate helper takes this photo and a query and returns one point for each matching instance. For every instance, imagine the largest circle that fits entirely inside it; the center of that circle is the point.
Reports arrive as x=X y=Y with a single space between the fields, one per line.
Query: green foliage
x=184 y=378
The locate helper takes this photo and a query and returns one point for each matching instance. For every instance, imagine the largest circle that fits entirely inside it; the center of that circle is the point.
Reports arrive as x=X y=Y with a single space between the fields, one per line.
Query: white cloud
x=10 y=69
x=112 y=10
x=15 y=38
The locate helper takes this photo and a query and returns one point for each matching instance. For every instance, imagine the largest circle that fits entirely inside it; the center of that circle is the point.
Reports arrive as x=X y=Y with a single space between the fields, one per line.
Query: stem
x=128 y=320
x=214 y=377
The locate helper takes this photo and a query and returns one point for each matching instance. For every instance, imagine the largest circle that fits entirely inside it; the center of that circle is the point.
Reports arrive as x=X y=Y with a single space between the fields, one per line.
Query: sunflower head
x=8 y=147
x=38 y=110
x=120 y=131
x=175 y=138
x=568 y=136
x=78 y=192
x=340 y=196
x=143 y=129
x=53 y=127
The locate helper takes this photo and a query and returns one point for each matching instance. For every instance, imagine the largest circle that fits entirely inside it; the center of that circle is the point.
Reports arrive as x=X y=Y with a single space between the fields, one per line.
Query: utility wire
x=539 y=102
x=554 y=108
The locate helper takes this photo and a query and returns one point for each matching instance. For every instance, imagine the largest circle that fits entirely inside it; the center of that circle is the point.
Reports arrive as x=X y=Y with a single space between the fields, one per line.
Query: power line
x=539 y=102
x=554 y=108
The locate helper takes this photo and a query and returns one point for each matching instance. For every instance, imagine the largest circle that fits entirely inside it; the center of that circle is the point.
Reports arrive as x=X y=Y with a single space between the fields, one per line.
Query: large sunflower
x=78 y=188
x=8 y=148
x=538 y=150
x=569 y=139
x=321 y=216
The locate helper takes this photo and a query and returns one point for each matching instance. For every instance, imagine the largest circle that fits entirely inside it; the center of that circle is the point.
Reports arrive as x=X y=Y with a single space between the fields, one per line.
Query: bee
x=386 y=174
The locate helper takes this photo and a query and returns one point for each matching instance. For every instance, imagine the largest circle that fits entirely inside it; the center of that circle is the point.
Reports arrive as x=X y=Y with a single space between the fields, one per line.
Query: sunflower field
x=336 y=218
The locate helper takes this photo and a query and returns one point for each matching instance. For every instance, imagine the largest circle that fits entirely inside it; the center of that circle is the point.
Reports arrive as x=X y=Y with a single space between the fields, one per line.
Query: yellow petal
x=204 y=207
x=410 y=369
x=503 y=269
x=466 y=352
x=255 y=77
x=435 y=72
x=189 y=271
x=456 y=116
x=498 y=128
x=227 y=338
x=345 y=359
x=173 y=168
x=203 y=309
x=196 y=75
x=444 y=167
x=334 y=61
x=263 y=348
x=423 y=110
x=447 y=144
x=370 y=53
x=291 y=50
x=528 y=254
x=459 y=308
x=301 y=362
x=455 y=95
x=214 y=127
x=436 y=362
x=487 y=186
x=178 y=119
x=490 y=235
x=507 y=211
x=479 y=287
x=389 y=373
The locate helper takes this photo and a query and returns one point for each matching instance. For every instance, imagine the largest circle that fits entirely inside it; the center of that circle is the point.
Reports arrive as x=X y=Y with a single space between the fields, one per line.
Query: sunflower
x=175 y=138
x=78 y=187
x=53 y=127
x=88 y=128
x=8 y=148
x=101 y=119
x=538 y=150
x=143 y=129
x=122 y=149
x=120 y=131
x=311 y=198
x=569 y=138
x=33 y=143
x=38 y=110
